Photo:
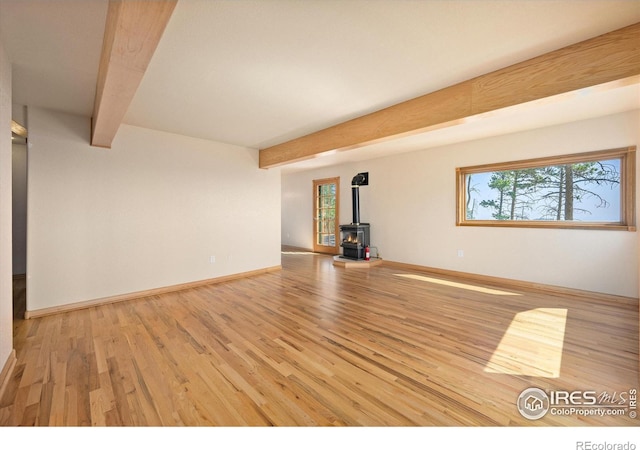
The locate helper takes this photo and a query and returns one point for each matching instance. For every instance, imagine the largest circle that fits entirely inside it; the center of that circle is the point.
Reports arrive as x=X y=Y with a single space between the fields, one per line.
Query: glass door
x=326 y=204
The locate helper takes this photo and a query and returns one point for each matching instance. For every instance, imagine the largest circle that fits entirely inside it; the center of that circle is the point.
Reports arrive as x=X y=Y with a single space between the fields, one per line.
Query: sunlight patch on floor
x=469 y=287
x=532 y=345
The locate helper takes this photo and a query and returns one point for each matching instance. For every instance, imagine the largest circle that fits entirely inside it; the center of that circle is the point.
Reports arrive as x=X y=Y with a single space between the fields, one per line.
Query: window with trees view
x=589 y=190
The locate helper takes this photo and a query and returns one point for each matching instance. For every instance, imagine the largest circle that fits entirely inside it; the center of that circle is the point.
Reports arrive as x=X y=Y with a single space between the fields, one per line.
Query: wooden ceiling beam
x=18 y=129
x=132 y=33
x=609 y=57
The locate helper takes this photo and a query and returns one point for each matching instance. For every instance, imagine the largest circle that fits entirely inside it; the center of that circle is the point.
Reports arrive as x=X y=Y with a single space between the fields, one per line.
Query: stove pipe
x=362 y=179
x=355 y=204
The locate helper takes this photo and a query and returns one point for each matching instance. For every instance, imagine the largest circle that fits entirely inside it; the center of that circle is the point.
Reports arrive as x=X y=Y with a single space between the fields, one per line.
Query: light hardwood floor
x=316 y=345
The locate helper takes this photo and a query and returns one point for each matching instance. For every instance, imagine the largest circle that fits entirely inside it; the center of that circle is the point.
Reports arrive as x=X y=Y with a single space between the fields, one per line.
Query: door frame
x=325 y=248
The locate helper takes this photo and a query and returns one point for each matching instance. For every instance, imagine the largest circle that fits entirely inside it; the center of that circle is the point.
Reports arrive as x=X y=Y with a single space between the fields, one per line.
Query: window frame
x=627 y=156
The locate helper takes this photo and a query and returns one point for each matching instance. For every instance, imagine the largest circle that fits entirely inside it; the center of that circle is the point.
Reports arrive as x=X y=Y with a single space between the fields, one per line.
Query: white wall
x=19 y=186
x=411 y=200
x=147 y=213
x=6 y=275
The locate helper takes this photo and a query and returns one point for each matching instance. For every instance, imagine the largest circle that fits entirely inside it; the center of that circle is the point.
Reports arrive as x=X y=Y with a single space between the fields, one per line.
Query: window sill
x=547 y=224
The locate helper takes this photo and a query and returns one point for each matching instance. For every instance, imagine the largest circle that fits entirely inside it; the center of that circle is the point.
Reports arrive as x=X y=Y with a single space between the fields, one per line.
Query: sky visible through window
x=541 y=193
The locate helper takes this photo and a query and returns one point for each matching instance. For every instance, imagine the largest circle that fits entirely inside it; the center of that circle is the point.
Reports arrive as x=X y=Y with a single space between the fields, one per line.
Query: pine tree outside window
x=593 y=190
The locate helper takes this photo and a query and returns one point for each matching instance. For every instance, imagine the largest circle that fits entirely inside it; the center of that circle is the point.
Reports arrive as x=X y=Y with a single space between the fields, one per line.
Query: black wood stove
x=355 y=237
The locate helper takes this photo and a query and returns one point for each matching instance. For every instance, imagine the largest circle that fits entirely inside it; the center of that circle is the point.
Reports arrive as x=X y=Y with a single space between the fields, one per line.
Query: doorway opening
x=19 y=217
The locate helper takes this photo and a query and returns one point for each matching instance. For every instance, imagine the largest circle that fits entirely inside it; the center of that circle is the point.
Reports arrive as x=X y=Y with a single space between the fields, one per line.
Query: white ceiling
x=55 y=50
x=257 y=73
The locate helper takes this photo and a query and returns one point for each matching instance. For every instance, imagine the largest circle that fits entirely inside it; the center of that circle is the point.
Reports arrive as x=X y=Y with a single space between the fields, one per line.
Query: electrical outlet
x=212 y=259
x=460 y=253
